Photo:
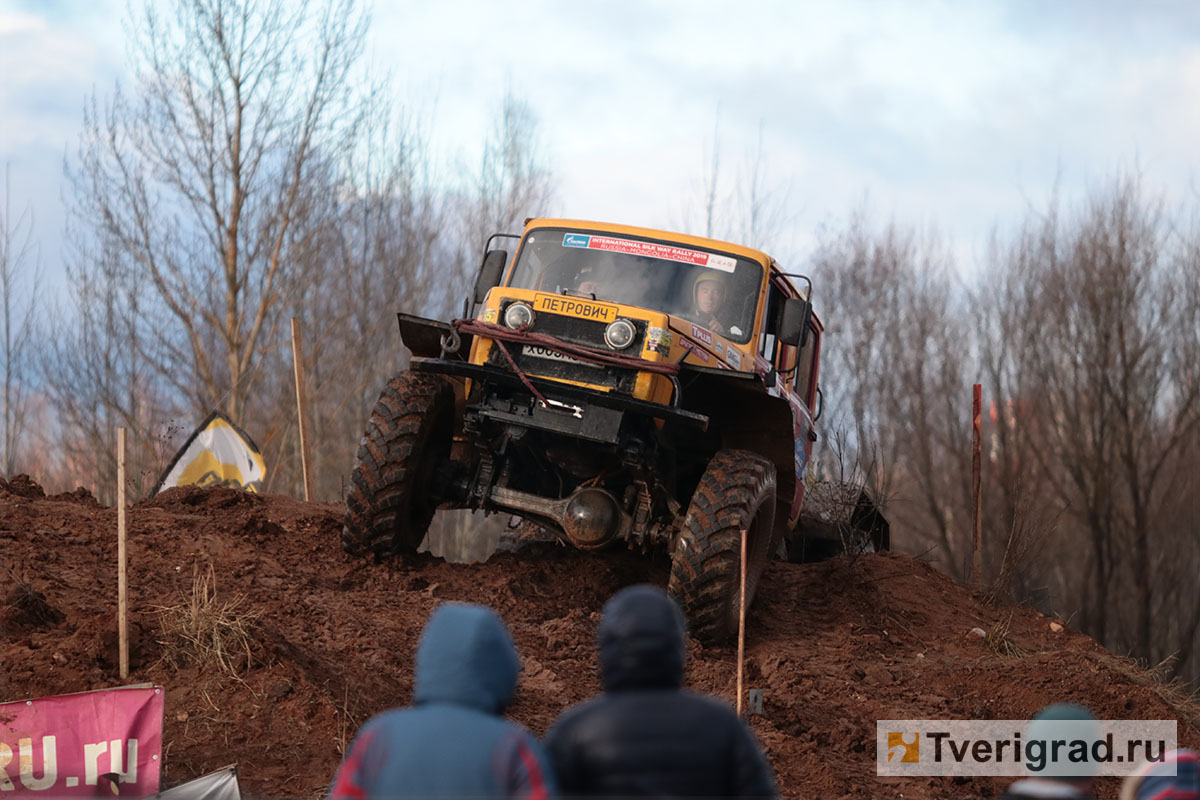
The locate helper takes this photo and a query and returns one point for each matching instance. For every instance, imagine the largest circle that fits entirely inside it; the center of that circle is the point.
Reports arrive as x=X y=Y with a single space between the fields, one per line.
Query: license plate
x=535 y=351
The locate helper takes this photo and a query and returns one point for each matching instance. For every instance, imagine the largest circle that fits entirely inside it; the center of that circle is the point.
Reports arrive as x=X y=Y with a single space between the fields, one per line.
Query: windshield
x=715 y=290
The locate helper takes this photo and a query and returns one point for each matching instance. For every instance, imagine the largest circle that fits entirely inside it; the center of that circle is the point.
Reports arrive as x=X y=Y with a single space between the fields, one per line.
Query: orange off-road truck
x=616 y=386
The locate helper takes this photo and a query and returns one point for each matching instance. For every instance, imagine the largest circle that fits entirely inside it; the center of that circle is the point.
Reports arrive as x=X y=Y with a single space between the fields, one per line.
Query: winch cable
x=521 y=374
x=502 y=333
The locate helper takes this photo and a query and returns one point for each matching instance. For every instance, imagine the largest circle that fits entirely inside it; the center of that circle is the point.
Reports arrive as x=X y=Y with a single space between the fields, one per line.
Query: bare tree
x=1089 y=343
x=1107 y=313
x=200 y=201
x=382 y=251
x=1021 y=513
x=760 y=203
x=711 y=179
x=513 y=182
x=201 y=178
x=753 y=212
x=893 y=365
x=19 y=279
x=97 y=379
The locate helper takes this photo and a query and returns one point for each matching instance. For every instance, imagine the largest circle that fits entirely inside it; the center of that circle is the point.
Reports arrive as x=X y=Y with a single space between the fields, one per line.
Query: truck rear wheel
x=735 y=493
x=392 y=496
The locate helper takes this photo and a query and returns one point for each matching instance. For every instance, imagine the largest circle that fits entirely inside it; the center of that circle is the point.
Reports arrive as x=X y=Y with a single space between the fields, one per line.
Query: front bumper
x=571 y=397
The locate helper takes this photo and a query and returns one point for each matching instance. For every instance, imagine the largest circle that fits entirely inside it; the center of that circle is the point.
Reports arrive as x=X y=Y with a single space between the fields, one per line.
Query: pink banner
x=81 y=745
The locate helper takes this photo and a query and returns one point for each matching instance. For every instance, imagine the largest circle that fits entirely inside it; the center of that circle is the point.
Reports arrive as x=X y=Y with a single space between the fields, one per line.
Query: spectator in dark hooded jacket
x=453 y=741
x=645 y=736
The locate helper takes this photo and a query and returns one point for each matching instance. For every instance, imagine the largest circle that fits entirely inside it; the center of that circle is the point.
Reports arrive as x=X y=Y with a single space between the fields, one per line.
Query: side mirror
x=489 y=273
x=793 y=322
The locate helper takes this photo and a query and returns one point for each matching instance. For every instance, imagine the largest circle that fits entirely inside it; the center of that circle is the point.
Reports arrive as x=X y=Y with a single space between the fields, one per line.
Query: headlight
x=518 y=315
x=619 y=334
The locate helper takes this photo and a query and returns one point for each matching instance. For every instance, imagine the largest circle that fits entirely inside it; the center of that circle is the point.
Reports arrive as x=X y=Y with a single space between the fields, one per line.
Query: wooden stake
x=301 y=406
x=741 y=626
x=976 y=485
x=122 y=599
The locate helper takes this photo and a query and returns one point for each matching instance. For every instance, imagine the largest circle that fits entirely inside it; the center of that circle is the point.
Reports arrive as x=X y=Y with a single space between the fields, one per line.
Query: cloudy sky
x=947 y=114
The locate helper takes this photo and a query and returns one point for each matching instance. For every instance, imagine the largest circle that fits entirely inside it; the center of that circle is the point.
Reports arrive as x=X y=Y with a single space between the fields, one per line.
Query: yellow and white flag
x=218 y=453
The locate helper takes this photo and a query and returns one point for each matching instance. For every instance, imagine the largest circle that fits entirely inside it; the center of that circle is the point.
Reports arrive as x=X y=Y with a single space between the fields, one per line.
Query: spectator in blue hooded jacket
x=452 y=742
x=1059 y=778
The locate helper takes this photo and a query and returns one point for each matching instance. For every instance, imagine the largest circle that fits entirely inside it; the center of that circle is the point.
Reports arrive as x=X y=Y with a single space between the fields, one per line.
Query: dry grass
x=210 y=632
x=997 y=640
x=1182 y=698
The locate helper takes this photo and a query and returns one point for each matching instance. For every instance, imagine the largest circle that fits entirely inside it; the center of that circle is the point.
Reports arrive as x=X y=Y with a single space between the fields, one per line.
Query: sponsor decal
x=537 y=351
x=701 y=334
x=658 y=340
x=574 y=307
x=719 y=346
x=734 y=357
x=663 y=252
x=695 y=349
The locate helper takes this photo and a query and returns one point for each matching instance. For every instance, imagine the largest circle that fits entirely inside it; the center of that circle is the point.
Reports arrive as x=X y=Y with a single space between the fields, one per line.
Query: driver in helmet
x=708 y=297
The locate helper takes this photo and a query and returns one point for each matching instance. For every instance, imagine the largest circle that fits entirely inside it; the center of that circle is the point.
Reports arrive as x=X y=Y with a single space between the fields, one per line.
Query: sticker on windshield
x=664 y=252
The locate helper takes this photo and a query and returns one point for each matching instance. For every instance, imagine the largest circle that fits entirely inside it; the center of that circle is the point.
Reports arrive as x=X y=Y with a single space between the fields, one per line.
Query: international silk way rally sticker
x=663 y=252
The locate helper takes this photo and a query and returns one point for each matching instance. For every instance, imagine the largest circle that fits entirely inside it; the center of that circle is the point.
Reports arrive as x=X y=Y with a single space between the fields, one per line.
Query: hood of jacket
x=466 y=657
x=641 y=640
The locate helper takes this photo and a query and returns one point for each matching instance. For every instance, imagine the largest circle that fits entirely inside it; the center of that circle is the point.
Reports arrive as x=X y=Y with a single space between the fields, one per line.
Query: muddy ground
x=835 y=645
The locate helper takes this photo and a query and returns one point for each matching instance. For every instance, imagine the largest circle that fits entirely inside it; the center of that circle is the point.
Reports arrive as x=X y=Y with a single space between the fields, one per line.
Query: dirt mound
x=21 y=486
x=320 y=641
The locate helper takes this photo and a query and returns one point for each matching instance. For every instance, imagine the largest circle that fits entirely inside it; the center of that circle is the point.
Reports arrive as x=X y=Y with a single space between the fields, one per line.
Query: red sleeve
x=527 y=778
x=350 y=782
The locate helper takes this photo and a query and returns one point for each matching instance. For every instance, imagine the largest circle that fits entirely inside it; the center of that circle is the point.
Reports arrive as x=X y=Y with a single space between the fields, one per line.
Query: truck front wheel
x=391 y=498
x=735 y=493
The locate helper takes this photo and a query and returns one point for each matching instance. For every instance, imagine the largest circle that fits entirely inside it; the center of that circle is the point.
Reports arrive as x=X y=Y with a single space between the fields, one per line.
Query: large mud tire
x=735 y=493
x=392 y=497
